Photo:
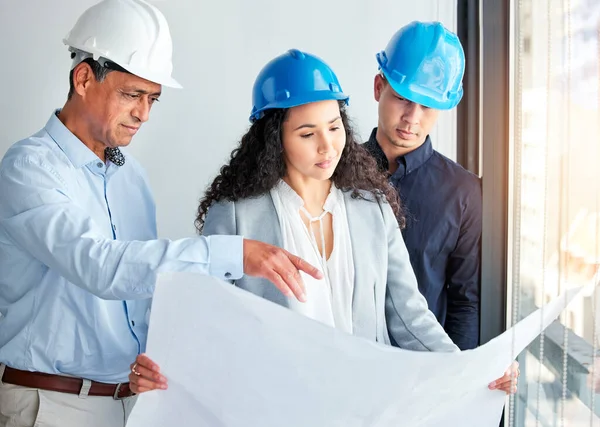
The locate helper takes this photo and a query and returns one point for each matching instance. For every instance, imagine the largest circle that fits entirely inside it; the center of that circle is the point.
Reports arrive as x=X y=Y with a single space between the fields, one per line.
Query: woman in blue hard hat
x=300 y=180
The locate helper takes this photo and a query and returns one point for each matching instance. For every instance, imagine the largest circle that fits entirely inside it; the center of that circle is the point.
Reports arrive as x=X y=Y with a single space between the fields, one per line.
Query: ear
x=83 y=77
x=378 y=86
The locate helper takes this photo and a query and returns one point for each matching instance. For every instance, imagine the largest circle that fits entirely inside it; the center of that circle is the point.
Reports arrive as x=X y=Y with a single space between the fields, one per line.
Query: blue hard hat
x=424 y=63
x=293 y=79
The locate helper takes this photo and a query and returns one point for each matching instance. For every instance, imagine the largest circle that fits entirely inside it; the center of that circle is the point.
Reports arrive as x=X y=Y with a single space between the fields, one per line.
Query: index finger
x=302 y=265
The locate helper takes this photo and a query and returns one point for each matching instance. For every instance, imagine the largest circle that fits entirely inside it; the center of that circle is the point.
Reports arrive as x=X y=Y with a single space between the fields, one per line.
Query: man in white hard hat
x=78 y=247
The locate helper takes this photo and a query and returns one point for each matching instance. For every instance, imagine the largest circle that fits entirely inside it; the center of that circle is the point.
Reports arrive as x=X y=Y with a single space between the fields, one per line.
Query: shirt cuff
x=226 y=256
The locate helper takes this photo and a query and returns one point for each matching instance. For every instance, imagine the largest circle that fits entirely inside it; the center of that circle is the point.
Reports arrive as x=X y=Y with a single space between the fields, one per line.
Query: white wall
x=219 y=47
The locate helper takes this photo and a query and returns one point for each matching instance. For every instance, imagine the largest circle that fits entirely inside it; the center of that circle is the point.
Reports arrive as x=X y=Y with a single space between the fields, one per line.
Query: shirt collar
x=292 y=199
x=76 y=151
x=406 y=163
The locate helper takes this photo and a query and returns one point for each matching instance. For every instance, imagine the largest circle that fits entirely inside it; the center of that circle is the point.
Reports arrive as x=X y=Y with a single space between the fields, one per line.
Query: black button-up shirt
x=443 y=208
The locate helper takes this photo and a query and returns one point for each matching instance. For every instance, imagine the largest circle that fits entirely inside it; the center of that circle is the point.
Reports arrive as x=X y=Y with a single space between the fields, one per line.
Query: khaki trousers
x=32 y=407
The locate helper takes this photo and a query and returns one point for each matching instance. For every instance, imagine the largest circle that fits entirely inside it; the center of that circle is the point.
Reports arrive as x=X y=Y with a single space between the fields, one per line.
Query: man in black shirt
x=421 y=73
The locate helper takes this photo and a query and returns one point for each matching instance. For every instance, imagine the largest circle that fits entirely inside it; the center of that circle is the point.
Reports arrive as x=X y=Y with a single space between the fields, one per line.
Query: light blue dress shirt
x=79 y=257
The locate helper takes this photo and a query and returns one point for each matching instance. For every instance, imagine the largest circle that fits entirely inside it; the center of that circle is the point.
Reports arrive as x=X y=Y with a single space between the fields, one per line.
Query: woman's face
x=313 y=140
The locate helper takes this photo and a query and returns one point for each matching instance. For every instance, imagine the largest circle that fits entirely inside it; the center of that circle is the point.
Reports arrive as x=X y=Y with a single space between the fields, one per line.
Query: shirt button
x=132 y=323
x=227 y=275
x=99 y=164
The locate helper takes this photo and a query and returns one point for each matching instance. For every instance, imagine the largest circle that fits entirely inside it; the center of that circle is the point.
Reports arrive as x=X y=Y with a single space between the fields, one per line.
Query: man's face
x=116 y=107
x=402 y=123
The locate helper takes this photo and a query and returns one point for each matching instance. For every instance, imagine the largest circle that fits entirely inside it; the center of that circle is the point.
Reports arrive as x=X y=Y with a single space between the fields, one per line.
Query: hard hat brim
x=163 y=80
x=301 y=100
x=414 y=95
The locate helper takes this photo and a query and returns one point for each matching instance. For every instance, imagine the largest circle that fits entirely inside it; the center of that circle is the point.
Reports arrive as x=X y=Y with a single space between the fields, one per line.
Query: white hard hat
x=131 y=33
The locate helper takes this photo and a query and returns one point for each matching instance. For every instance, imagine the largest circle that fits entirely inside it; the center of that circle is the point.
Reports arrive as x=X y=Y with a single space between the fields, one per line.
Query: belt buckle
x=116 y=393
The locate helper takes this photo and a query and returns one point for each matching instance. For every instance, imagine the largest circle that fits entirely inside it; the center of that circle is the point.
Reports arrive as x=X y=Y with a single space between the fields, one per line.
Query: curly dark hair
x=257 y=165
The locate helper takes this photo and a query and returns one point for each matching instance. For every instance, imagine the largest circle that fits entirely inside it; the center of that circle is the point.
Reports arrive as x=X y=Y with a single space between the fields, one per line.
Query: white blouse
x=328 y=300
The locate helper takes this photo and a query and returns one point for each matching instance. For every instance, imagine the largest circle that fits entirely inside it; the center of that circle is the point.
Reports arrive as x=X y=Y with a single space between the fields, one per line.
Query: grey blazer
x=385 y=286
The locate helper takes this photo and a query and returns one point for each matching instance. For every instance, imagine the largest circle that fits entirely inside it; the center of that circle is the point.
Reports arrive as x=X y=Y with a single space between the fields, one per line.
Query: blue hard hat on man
x=424 y=63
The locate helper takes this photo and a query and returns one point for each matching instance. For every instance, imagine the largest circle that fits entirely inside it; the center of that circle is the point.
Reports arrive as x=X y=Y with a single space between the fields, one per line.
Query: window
x=555 y=211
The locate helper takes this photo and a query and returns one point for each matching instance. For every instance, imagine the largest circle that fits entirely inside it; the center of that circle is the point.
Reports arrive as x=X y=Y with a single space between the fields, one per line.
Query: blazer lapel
x=265 y=223
x=259 y=221
x=363 y=237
